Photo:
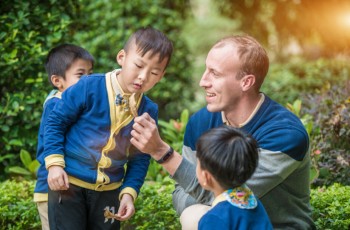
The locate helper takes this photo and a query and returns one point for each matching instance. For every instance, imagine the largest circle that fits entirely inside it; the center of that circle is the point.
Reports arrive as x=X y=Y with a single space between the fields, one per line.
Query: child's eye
x=138 y=66
x=155 y=74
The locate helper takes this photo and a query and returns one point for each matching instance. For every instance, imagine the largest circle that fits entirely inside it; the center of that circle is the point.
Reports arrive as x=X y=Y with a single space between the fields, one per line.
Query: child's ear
x=121 y=57
x=207 y=179
x=57 y=81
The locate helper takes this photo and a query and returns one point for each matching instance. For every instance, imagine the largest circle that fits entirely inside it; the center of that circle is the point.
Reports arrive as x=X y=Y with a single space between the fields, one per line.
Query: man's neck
x=244 y=111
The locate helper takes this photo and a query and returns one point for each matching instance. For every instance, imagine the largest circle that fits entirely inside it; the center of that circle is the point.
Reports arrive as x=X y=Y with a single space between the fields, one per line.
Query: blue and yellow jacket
x=89 y=135
x=41 y=186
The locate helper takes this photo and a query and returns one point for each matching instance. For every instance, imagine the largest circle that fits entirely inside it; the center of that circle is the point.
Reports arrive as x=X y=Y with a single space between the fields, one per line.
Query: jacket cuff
x=130 y=191
x=54 y=159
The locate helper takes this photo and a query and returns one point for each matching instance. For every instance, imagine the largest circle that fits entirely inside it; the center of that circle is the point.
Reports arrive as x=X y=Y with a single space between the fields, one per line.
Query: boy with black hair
x=65 y=64
x=226 y=159
x=88 y=138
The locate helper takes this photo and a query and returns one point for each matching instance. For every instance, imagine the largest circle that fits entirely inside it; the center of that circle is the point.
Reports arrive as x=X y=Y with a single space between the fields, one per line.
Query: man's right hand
x=57 y=178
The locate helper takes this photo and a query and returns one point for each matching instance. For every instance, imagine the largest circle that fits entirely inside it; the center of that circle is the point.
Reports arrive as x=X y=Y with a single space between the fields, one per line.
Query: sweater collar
x=241 y=197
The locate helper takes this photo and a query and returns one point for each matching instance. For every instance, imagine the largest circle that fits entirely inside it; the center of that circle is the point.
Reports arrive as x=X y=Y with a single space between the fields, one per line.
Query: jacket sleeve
x=137 y=165
x=187 y=188
x=65 y=112
x=281 y=152
x=48 y=107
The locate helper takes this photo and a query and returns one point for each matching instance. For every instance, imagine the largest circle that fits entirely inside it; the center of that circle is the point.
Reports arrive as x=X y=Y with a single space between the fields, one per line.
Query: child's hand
x=126 y=208
x=57 y=178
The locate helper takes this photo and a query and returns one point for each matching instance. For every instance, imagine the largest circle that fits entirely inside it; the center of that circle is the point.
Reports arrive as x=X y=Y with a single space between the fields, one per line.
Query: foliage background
x=309 y=63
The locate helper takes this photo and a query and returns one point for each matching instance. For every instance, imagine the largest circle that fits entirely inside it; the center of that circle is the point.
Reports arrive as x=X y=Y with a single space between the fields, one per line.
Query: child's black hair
x=61 y=57
x=150 y=39
x=229 y=154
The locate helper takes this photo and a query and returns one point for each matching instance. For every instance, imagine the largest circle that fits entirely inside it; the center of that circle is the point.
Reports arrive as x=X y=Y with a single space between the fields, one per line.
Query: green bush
x=28 y=29
x=330 y=138
x=286 y=82
x=331 y=207
x=154 y=208
x=18 y=211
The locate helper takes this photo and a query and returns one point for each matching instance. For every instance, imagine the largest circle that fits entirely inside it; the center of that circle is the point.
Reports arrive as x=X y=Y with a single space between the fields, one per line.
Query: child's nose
x=143 y=76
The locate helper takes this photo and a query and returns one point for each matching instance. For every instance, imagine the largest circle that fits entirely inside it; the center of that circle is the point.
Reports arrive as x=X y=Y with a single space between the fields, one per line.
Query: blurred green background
x=308 y=43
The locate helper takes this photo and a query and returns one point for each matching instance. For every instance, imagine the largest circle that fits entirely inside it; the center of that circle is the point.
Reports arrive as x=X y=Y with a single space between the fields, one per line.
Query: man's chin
x=212 y=108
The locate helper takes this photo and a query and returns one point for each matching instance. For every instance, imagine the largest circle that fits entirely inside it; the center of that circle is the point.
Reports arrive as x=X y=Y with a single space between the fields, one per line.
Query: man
x=236 y=67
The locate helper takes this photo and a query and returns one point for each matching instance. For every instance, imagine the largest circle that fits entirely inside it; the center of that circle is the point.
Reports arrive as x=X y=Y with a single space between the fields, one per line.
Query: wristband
x=166 y=156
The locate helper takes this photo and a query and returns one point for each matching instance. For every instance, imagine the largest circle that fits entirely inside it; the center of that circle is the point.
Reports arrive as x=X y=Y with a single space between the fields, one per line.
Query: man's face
x=139 y=74
x=219 y=79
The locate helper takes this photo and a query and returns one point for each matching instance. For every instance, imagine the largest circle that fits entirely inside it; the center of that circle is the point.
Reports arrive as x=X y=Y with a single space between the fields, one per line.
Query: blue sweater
x=225 y=216
x=90 y=137
x=41 y=186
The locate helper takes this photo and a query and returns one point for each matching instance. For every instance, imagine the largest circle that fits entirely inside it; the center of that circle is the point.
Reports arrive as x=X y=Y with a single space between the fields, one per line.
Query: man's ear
x=57 y=81
x=121 y=57
x=247 y=82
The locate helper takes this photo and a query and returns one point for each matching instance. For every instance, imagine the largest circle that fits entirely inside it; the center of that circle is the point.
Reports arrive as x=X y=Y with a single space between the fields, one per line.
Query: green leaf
x=313 y=174
x=15 y=142
x=5 y=128
x=19 y=170
x=7 y=156
x=25 y=158
x=33 y=166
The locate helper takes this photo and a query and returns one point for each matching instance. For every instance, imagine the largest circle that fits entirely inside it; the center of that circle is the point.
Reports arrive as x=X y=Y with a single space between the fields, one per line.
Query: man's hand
x=57 y=178
x=146 y=138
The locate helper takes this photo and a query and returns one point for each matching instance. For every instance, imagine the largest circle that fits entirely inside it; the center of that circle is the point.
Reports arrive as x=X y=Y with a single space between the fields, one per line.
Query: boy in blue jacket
x=65 y=64
x=93 y=168
x=226 y=159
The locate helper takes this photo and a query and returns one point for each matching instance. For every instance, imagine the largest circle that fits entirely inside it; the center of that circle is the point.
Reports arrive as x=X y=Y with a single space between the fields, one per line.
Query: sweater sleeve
x=187 y=188
x=48 y=107
x=138 y=163
x=279 y=156
x=65 y=112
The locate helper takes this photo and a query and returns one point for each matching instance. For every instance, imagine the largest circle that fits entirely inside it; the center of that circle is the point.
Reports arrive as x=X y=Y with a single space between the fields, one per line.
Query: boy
x=65 y=64
x=88 y=138
x=226 y=159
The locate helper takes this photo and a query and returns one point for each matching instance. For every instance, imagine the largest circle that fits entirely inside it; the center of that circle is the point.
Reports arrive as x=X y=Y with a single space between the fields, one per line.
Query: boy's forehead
x=80 y=63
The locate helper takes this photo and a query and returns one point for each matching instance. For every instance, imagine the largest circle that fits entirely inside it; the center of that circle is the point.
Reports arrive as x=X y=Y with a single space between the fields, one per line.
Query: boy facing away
x=226 y=159
x=92 y=166
x=65 y=64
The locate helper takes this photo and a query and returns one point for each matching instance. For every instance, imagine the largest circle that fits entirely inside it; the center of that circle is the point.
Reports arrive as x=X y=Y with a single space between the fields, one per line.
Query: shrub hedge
x=331 y=207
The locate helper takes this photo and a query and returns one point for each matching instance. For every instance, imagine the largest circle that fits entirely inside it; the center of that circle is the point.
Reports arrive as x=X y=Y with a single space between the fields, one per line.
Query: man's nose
x=204 y=80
